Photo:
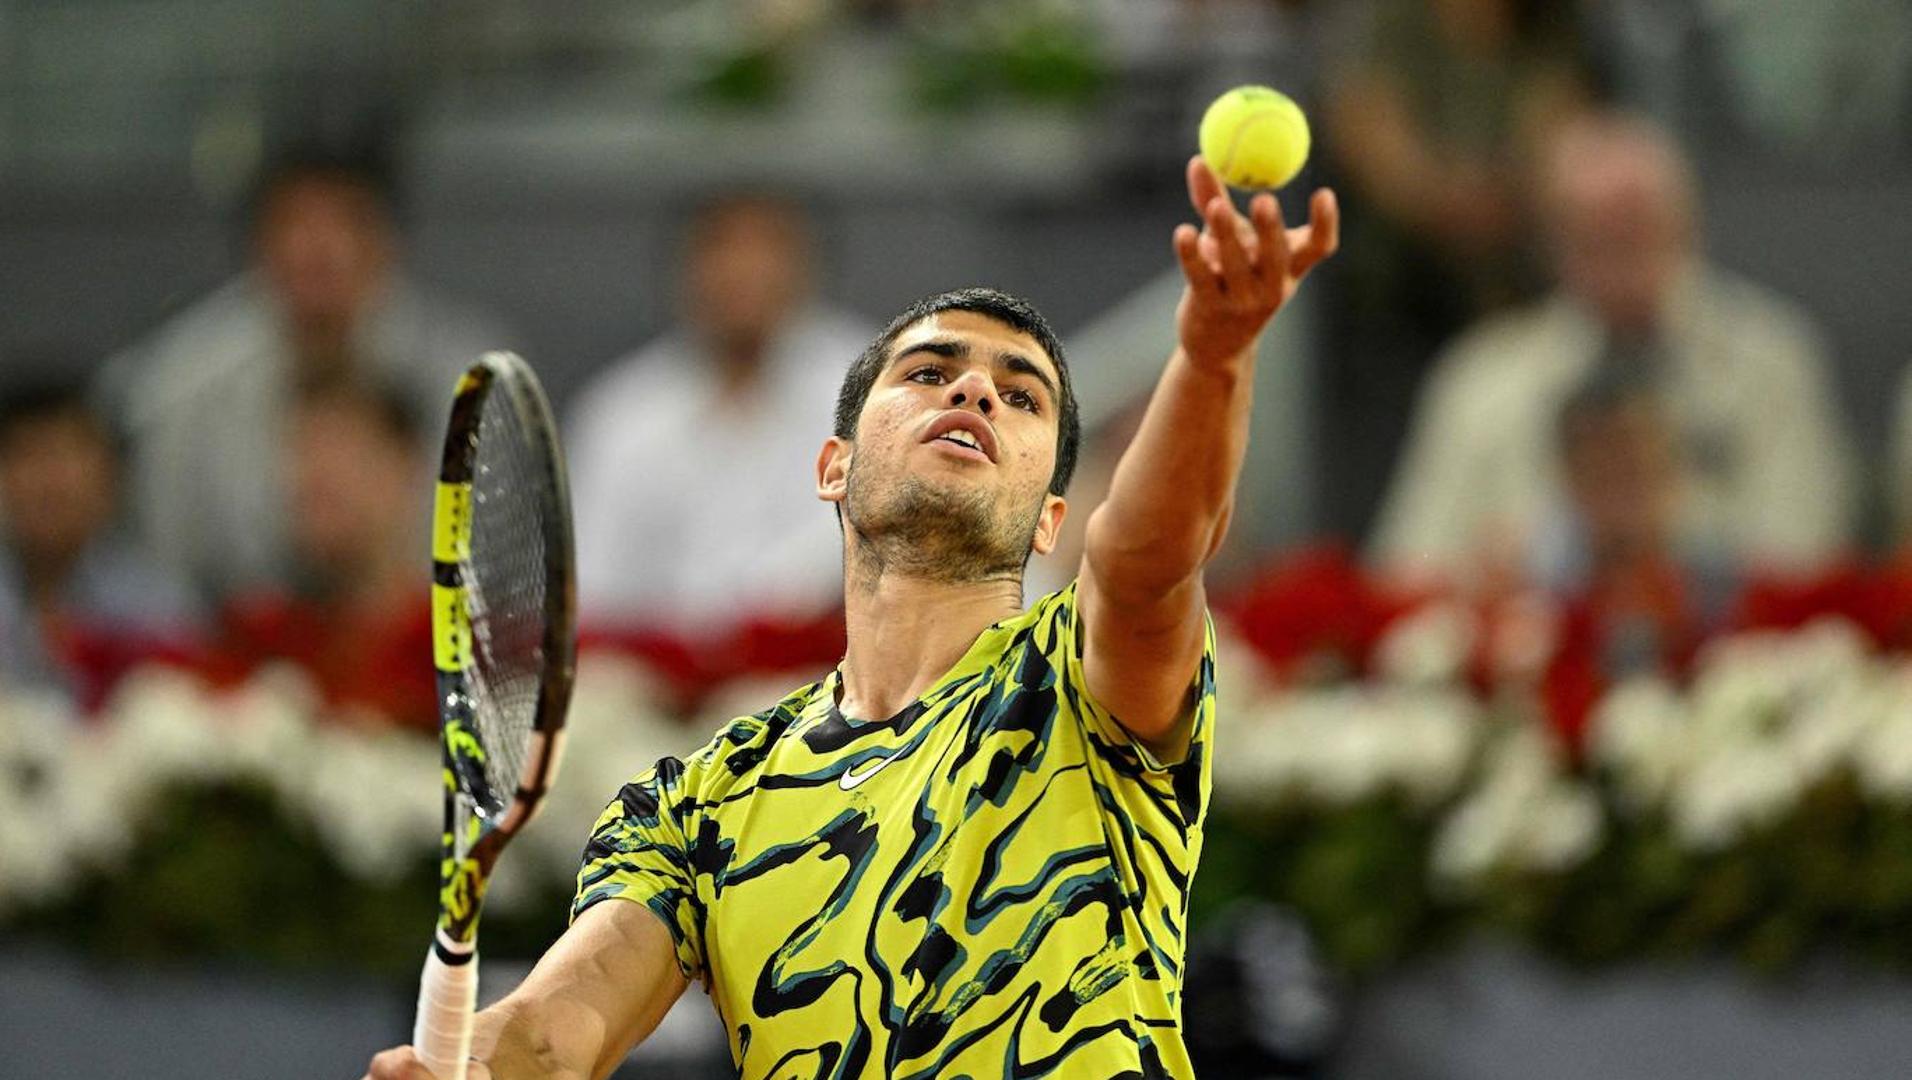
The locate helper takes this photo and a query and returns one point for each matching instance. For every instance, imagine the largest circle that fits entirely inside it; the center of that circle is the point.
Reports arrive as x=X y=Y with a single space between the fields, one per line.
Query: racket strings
x=505 y=580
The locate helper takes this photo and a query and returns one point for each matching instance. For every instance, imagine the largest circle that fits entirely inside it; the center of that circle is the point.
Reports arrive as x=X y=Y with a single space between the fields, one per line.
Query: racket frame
x=473 y=839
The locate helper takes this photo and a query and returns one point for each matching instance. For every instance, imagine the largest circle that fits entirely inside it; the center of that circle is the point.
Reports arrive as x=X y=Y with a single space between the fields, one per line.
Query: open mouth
x=965 y=433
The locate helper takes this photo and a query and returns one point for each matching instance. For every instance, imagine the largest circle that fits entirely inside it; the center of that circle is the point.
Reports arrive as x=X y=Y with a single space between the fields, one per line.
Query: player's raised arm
x=599 y=990
x=1140 y=589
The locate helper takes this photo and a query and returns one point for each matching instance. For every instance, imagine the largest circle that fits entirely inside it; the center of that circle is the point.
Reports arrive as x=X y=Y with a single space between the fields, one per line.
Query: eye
x=1022 y=399
x=929 y=376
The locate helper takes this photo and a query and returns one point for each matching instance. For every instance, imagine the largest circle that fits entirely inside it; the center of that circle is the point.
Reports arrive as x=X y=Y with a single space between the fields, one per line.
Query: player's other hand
x=401 y=1063
x=1240 y=270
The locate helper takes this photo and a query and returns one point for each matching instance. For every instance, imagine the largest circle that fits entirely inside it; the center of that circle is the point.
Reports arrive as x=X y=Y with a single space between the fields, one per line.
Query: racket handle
x=447 y=997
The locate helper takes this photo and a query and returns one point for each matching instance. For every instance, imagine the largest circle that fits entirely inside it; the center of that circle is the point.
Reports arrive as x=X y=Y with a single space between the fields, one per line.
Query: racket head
x=504 y=602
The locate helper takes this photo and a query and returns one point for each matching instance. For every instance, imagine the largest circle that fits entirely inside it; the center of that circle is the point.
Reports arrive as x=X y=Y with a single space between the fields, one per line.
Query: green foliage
x=1028 y=53
x=754 y=76
x=1358 y=877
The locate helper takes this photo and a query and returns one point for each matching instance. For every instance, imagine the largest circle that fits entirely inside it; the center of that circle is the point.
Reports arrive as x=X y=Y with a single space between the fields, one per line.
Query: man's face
x=1620 y=231
x=955 y=450
x=57 y=485
x=747 y=271
x=326 y=247
x=352 y=485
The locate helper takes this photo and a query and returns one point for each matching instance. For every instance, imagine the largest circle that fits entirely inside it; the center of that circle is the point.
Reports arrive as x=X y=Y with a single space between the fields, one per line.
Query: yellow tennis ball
x=1254 y=137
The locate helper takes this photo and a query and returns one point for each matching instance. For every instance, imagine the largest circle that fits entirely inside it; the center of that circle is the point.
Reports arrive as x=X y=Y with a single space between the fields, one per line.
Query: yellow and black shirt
x=991 y=883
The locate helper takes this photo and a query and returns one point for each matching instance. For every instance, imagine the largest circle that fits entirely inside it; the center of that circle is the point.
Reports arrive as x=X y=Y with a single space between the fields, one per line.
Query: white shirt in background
x=695 y=513
x=1745 y=386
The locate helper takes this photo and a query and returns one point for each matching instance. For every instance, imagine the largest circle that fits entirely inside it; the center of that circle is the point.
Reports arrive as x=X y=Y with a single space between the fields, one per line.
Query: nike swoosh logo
x=851 y=778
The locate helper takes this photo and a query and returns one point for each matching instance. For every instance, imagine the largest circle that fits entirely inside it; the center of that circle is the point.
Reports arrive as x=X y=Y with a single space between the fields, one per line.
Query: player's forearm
x=596 y=993
x=1173 y=493
x=523 y=1039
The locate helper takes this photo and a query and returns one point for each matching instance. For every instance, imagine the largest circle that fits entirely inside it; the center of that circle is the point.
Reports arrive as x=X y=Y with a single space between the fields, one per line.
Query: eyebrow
x=957 y=349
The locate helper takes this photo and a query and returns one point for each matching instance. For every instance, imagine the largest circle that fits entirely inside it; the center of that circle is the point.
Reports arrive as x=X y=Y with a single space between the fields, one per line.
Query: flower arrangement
x=1762 y=808
x=1759 y=803
x=250 y=823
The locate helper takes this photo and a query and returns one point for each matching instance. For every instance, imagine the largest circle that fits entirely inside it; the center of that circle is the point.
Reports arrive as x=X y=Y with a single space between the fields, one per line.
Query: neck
x=44 y=575
x=739 y=362
x=906 y=632
x=321 y=350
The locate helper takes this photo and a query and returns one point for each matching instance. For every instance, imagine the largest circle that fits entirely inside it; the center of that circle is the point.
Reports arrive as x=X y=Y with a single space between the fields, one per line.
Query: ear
x=833 y=469
x=1049 y=524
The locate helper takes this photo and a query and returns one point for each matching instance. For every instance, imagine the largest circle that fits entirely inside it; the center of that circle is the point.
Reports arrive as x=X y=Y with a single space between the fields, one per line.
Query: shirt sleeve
x=638 y=851
x=1178 y=787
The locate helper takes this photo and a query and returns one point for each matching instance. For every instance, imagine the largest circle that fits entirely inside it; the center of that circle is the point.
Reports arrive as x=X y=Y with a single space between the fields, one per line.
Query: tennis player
x=966 y=852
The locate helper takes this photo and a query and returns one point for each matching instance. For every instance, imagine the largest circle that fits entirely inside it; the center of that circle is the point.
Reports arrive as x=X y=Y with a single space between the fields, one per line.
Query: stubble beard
x=916 y=529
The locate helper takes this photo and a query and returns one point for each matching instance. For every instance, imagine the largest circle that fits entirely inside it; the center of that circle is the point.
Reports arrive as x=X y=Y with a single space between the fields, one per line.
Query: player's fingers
x=1188 y=253
x=1323 y=235
x=1272 y=240
x=1223 y=225
x=399 y=1063
x=1210 y=249
x=1203 y=186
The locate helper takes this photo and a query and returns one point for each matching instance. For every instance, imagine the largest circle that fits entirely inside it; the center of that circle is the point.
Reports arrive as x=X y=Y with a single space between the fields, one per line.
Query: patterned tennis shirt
x=991 y=883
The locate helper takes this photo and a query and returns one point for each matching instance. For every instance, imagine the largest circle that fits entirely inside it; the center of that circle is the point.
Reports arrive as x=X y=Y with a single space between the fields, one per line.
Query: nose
x=972 y=388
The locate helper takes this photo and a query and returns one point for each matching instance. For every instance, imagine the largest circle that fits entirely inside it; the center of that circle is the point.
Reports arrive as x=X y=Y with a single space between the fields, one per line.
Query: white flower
x=1733 y=789
x=1429 y=647
x=1756 y=684
x=1883 y=755
x=38 y=854
x=1771 y=715
x=1525 y=816
x=1639 y=733
x=373 y=796
x=1342 y=745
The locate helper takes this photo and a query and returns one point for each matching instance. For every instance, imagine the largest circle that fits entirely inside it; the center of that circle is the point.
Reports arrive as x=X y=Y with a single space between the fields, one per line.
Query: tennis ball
x=1254 y=137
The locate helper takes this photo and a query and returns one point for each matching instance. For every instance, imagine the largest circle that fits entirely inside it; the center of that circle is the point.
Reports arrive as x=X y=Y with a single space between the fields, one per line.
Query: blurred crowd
x=1590 y=435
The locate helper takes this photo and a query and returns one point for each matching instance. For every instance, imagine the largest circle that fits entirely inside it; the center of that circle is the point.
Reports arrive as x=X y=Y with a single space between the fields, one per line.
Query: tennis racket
x=504 y=642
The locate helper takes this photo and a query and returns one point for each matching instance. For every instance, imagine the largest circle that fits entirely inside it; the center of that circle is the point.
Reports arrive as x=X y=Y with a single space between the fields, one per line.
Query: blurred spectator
x=205 y=397
x=1738 y=372
x=354 y=611
x=1619 y=548
x=687 y=455
x=1434 y=119
x=1433 y=112
x=78 y=604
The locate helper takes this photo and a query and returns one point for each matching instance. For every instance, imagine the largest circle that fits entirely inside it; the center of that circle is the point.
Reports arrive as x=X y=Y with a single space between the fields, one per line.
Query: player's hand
x=401 y=1063
x=1240 y=270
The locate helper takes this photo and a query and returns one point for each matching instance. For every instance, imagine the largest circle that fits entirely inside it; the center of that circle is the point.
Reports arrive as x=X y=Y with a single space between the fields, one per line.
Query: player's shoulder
x=651 y=377
x=1771 y=326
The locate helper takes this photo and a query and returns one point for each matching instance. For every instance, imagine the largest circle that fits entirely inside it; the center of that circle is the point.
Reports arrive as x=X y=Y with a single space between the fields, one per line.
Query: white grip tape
x=447 y=995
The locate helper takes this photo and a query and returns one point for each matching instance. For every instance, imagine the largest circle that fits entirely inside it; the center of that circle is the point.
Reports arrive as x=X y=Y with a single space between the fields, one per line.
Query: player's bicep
x=1141 y=656
x=597 y=992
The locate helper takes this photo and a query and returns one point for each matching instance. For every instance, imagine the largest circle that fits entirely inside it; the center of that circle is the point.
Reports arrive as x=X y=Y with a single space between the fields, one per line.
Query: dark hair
x=1012 y=311
x=51 y=399
x=360 y=167
x=391 y=410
